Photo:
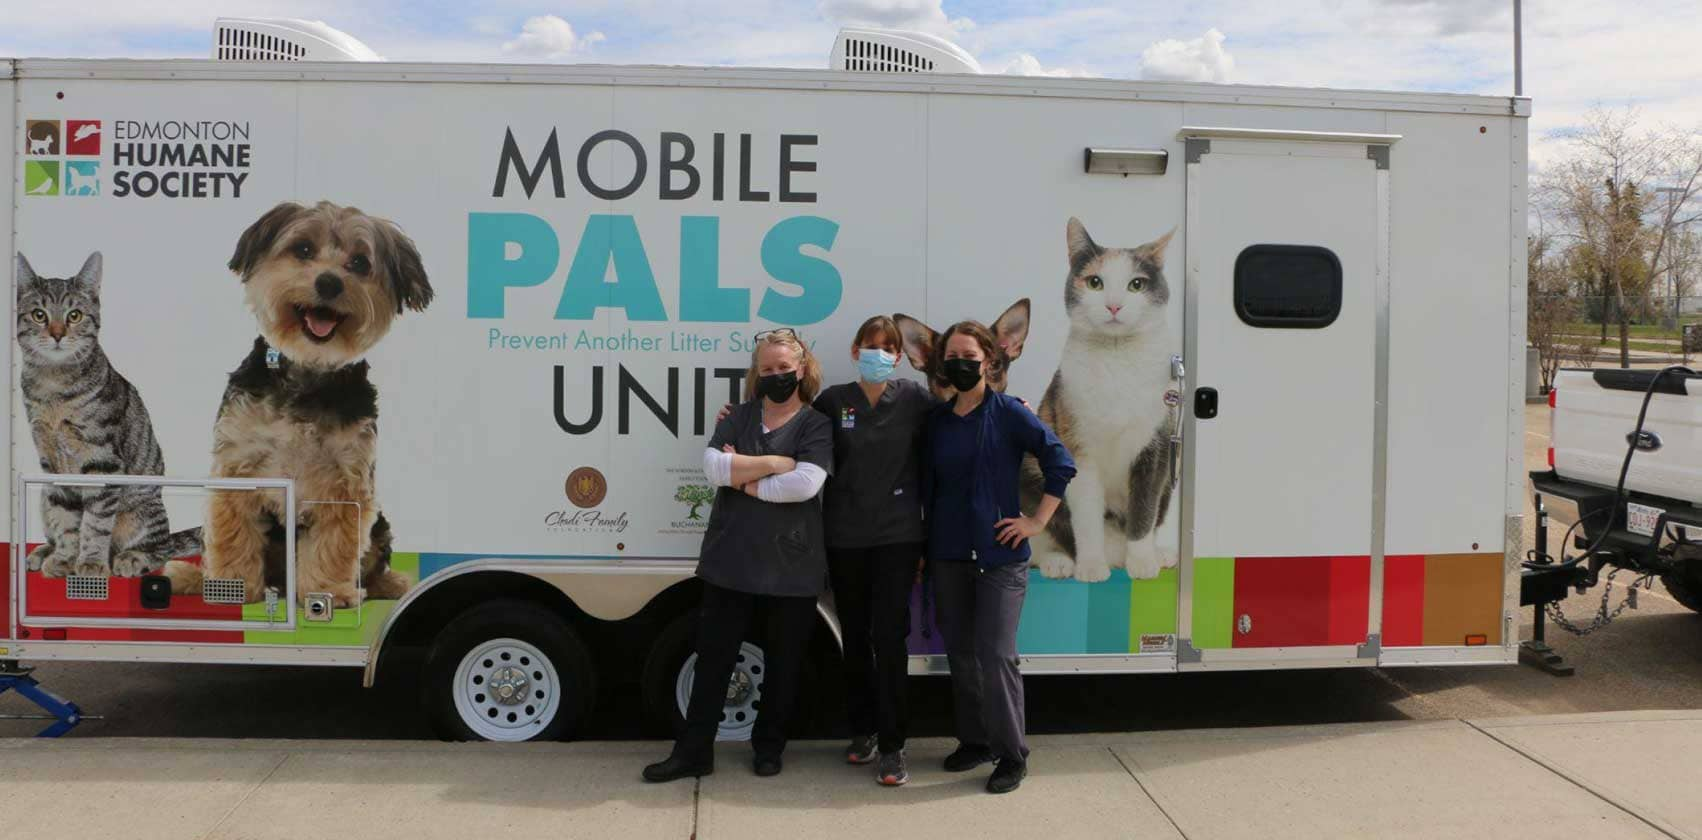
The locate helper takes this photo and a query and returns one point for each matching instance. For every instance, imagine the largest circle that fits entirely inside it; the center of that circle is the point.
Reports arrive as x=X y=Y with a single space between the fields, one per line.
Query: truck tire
x=667 y=681
x=1685 y=586
x=507 y=670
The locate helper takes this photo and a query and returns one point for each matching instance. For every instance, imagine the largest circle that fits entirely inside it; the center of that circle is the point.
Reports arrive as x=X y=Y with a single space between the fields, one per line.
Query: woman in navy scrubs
x=978 y=548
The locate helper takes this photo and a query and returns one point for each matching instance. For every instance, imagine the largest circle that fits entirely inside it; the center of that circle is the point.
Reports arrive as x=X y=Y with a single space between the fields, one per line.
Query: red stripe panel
x=1403 y=600
x=1302 y=601
x=5 y=590
x=1350 y=600
x=124 y=600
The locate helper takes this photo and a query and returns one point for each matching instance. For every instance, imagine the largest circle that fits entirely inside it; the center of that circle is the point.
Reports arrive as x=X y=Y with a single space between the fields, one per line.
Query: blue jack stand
x=65 y=715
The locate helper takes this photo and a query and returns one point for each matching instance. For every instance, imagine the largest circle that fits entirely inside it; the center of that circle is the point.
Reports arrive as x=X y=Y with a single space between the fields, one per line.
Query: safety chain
x=1603 y=617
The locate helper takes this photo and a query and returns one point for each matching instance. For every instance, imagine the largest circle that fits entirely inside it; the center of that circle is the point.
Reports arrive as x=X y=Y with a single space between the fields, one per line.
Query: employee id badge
x=848 y=418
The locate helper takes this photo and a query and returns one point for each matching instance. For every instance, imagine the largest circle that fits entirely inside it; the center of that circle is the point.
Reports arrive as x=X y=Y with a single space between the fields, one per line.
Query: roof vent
x=285 y=39
x=898 y=51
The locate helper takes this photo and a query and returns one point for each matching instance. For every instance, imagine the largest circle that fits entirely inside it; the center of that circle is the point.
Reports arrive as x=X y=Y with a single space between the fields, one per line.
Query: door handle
x=1205 y=403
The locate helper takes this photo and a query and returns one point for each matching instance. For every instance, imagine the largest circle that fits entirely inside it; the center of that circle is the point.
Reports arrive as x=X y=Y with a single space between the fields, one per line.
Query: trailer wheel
x=668 y=678
x=507 y=671
x=1685 y=585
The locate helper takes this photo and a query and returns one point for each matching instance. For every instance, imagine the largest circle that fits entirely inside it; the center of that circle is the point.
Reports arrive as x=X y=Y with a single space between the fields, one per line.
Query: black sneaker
x=862 y=750
x=892 y=771
x=967 y=757
x=677 y=768
x=1007 y=776
x=767 y=765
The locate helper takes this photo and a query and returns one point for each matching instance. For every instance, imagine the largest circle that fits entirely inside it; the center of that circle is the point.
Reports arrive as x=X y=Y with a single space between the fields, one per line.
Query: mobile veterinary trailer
x=1340 y=355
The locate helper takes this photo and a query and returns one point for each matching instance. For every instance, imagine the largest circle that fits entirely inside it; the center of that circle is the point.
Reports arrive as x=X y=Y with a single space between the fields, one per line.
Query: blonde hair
x=809 y=370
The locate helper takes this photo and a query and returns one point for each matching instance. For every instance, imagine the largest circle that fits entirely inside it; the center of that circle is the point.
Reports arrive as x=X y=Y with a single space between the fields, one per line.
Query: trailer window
x=1288 y=286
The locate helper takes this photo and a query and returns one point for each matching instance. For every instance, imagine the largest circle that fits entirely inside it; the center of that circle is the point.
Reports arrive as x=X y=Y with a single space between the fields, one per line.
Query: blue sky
x=1578 y=53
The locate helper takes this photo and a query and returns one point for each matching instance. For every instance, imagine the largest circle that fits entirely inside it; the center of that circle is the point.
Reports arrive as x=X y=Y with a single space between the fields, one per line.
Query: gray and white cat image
x=1107 y=404
x=88 y=419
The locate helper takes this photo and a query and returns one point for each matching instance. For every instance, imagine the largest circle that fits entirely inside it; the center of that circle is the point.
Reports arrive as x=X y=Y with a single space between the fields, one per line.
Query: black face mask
x=963 y=374
x=777 y=387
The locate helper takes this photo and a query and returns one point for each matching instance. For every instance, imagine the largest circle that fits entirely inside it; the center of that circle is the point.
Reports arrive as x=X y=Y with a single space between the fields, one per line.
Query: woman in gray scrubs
x=763 y=552
x=874 y=538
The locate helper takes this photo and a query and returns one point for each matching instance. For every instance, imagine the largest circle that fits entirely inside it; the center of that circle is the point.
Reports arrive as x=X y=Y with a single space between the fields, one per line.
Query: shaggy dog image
x=324 y=284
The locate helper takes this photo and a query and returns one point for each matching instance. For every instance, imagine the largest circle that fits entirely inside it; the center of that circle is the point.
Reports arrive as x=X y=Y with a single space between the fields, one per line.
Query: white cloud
x=1027 y=65
x=923 y=15
x=549 y=36
x=1201 y=59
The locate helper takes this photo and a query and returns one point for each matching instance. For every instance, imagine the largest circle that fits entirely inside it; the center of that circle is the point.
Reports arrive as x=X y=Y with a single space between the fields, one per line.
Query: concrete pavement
x=1627 y=774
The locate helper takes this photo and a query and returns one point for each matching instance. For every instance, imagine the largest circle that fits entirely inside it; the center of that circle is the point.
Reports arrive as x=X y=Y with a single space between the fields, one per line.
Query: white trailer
x=1346 y=307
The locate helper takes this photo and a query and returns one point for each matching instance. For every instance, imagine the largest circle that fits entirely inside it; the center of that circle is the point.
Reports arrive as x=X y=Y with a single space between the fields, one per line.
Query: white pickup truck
x=1640 y=515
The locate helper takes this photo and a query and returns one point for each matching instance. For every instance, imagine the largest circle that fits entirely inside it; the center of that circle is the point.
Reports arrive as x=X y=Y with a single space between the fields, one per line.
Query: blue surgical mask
x=875 y=364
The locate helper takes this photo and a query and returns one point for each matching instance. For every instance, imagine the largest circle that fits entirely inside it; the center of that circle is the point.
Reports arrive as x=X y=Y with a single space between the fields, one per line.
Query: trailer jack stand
x=1538 y=588
x=65 y=714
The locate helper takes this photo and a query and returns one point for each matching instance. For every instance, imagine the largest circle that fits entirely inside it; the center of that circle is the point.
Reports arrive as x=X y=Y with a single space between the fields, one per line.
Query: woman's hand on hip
x=1013 y=530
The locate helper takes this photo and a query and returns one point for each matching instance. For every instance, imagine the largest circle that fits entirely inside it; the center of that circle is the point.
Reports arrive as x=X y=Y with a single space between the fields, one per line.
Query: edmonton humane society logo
x=62 y=158
x=144 y=159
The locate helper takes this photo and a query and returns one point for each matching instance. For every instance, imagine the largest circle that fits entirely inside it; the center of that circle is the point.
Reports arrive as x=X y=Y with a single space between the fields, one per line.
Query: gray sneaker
x=892 y=771
x=862 y=749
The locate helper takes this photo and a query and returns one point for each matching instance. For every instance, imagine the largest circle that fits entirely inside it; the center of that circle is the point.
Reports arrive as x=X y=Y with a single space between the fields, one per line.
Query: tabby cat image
x=88 y=419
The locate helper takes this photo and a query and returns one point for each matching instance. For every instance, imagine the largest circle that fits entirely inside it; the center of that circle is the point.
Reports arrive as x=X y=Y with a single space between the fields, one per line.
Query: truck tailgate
x=1595 y=413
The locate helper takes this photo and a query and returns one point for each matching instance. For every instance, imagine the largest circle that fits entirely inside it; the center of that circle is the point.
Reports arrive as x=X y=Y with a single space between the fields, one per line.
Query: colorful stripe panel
x=347 y=627
x=1447 y=600
x=1251 y=602
x=1069 y=617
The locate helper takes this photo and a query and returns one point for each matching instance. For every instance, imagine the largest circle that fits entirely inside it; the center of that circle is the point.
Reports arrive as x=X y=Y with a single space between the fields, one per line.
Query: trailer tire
x=507 y=670
x=1685 y=586
x=666 y=682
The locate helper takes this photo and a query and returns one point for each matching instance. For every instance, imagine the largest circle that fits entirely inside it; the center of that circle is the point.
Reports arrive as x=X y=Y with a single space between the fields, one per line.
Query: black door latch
x=1205 y=403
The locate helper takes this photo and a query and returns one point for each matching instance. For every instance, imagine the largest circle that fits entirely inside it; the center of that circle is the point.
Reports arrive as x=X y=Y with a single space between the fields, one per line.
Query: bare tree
x=1601 y=194
x=1550 y=305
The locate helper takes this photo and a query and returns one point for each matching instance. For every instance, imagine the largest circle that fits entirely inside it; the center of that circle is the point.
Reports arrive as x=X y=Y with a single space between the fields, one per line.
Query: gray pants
x=978 y=612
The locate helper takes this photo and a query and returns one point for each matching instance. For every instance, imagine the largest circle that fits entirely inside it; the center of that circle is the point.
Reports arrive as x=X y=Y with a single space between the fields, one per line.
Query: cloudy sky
x=1578 y=53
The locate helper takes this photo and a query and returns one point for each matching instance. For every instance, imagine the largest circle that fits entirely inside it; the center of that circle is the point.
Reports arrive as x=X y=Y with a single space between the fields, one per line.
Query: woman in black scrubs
x=763 y=552
x=873 y=513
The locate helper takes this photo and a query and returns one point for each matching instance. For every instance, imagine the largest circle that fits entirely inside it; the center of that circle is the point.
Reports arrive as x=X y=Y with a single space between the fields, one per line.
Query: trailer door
x=1286 y=253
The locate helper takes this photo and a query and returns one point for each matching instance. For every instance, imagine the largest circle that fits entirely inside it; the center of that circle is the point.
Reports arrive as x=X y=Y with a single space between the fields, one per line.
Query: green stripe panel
x=1152 y=607
x=347 y=628
x=1214 y=602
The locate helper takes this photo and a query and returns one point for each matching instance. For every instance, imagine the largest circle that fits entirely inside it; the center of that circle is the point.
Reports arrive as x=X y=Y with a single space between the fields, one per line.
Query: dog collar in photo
x=273 y=358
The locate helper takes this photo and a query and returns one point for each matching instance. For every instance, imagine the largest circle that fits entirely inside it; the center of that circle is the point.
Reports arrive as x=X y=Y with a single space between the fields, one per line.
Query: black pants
x=723 y=618
x=979 y=611
x=871 y=592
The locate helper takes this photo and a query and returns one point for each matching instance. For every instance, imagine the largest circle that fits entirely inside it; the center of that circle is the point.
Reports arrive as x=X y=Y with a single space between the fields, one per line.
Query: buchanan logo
x=48 y=170
x=165 y=159
x=586 y=487
x=694 y=496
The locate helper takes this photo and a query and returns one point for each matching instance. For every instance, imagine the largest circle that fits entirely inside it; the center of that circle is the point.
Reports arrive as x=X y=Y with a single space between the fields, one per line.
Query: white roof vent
x=898 y=51
x=285 y=39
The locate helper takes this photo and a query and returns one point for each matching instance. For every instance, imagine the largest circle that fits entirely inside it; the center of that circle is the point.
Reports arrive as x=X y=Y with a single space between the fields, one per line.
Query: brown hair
x=809 y=370
x=992 y=354
x=879 y=327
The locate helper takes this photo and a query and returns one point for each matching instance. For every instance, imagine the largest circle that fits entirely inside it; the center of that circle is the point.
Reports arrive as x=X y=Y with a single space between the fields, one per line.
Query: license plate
x=1641 y=519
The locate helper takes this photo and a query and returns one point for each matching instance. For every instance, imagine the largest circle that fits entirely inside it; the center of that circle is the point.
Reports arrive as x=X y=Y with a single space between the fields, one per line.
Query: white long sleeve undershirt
x=802 y=483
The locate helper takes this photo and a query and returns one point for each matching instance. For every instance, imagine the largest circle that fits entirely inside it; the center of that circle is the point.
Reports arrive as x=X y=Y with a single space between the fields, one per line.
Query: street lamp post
x=1518 y=50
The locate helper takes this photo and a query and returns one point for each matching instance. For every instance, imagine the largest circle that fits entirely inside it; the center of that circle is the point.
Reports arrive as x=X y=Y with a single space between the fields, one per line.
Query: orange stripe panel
x=1462 y=597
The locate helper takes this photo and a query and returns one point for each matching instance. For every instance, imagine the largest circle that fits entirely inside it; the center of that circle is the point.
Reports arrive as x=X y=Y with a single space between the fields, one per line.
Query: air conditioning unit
x=898 y=51
x=285 y=39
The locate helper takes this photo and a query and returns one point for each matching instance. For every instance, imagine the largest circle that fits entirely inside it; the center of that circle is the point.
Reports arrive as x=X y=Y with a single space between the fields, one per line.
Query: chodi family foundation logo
x=51 y=149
